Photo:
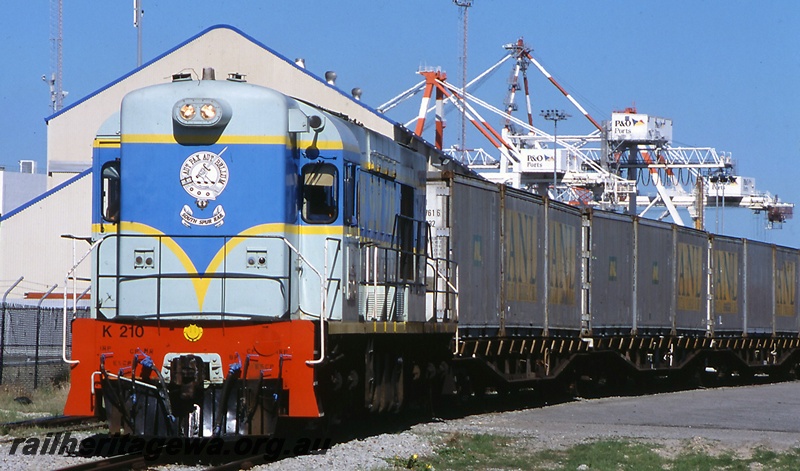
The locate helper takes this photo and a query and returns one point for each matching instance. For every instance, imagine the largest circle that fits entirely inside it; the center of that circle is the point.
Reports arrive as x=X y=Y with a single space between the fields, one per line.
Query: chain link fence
x=30 y=345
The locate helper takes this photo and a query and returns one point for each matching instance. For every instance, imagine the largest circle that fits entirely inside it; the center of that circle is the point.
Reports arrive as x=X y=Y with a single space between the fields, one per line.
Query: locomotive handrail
x=291 y=247
x=382 y=271
x=446 y=280
x=71 y=275
x=324 y=287
x=115 y=274
x=437 y=273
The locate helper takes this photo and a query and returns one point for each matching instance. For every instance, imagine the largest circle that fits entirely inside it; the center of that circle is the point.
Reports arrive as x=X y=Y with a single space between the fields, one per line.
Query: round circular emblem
x=192 y=332
x=204 y=176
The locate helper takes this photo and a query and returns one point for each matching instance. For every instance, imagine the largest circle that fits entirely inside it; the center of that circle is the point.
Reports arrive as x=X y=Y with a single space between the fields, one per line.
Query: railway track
x=127 y=452
x=49 y=425
x=129 y=461
x=139 y=461
x=56 y=421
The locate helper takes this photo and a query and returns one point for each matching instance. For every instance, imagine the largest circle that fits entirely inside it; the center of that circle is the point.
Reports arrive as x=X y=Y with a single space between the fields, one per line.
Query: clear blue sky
x=726 y=72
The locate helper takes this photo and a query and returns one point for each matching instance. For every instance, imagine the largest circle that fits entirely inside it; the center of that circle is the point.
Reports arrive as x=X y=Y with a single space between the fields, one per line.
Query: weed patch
x=16 y=404
x=495 y=452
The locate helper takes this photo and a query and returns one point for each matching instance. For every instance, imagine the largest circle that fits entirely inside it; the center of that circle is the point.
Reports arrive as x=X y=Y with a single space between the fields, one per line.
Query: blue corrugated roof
x=193 y=38
x=44 y=195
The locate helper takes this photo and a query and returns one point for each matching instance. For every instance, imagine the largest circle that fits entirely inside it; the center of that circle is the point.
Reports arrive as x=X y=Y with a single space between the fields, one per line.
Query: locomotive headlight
x=187 y=112
x=208 y=111
x=205 y=112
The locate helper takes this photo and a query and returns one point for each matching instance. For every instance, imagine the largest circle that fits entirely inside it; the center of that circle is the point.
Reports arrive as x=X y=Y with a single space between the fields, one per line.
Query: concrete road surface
x=762 y=415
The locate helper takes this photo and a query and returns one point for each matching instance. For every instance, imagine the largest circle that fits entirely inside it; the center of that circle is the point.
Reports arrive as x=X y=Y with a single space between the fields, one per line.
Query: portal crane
x=611 y=167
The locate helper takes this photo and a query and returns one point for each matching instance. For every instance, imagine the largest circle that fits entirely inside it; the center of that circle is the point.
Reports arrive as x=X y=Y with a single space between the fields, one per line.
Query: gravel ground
x=737 y=419
x=23 y=459
x=367 y=453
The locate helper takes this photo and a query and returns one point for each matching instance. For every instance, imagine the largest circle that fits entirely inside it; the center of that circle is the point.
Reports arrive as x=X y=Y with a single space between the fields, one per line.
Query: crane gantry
x=611 y=167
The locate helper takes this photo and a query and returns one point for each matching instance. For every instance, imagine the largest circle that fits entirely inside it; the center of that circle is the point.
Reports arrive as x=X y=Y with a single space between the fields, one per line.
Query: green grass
x=483 y=452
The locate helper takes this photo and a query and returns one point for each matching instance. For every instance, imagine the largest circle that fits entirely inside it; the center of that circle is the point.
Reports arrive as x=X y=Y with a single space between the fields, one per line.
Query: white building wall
x=17 y=189
x=30 y=241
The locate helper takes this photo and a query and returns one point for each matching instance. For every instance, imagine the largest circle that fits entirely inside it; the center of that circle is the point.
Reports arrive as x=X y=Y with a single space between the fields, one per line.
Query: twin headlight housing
x=203 y=112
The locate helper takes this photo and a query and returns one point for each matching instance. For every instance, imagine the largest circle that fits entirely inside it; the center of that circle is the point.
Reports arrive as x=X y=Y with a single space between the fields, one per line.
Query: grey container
x=475 y=247
x=563 y=252
x=760 y=288
x=691 y=281
x=787 y=285
x=523 y=278
x=727 y=285
x=655 y=277
x=611 y=270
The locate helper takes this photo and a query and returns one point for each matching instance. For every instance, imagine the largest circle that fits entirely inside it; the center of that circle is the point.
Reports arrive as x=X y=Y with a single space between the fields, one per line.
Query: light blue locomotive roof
x=193 y=38
x=144 y=110
x=251 y=111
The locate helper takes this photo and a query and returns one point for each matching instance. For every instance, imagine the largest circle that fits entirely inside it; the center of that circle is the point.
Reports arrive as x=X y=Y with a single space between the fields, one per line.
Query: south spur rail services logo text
x=63 y=443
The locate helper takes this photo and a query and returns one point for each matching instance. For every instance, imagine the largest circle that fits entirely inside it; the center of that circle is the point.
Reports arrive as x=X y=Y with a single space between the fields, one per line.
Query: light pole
x=138 y=13
x=555 y=116
x=719 y=180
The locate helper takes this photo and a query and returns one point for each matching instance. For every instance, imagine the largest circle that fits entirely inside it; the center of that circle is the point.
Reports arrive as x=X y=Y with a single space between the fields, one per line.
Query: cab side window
x=111 y=192
x=350 y=216
x=320 y=193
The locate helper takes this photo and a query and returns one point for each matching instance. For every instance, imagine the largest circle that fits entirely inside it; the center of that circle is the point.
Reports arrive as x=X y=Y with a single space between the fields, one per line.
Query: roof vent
x=356 y=92
x=330 y=77
x=208 y=73
x=182 y=77
x=237 y=77
x=300 y=62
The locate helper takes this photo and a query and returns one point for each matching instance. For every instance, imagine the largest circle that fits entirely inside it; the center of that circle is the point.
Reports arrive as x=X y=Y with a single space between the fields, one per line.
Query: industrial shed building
x=31 y=245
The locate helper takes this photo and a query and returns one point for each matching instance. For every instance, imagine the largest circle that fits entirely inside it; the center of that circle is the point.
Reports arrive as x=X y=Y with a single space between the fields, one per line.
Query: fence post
x=38 y=328
x=3 y=326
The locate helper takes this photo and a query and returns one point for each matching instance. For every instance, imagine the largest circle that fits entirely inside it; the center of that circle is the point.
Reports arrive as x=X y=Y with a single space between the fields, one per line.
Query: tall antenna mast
x=138 y=13
x=464 y=6
x=57 y=92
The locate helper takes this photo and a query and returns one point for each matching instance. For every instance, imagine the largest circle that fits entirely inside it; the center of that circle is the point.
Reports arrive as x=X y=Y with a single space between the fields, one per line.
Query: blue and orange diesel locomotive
x=233 y=226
